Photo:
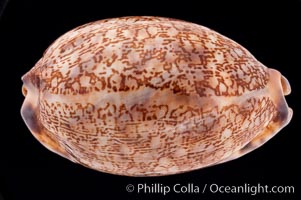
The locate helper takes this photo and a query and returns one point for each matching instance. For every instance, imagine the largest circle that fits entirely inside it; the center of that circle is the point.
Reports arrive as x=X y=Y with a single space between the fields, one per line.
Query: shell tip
x=286 y=88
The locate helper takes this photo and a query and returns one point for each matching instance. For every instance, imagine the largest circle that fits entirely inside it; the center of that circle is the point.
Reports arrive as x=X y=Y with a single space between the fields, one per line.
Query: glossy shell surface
x=151 y=96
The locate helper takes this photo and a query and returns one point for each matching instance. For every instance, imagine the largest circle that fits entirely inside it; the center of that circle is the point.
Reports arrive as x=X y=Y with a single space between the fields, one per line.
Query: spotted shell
x=151 y=96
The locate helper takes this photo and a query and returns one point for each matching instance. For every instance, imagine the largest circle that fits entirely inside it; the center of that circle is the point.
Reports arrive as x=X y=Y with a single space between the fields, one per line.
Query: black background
x=29 y=171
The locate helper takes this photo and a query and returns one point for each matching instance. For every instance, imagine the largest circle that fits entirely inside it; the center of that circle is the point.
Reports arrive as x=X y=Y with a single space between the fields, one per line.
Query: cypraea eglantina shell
x=150 y=96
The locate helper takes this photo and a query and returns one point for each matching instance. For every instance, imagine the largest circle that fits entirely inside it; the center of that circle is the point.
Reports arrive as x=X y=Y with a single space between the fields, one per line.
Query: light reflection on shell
x=151 y=96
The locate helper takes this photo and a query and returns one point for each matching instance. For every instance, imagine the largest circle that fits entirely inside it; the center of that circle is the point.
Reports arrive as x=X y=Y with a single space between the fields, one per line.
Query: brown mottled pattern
x=148 y=96
x=130 y=53
x=162 y=139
